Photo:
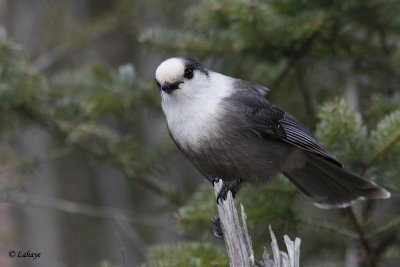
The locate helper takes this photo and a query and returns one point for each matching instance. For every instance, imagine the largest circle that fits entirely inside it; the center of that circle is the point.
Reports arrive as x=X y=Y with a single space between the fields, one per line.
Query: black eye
x=159 y=85
x=188 y=73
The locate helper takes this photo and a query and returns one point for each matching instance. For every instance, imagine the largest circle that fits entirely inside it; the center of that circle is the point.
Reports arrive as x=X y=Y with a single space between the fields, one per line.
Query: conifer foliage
x=312 y=54
x=96 y=111
x=309 y=52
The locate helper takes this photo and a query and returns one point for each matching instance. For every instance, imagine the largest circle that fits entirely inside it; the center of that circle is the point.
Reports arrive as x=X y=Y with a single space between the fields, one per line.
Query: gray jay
x=228 y=130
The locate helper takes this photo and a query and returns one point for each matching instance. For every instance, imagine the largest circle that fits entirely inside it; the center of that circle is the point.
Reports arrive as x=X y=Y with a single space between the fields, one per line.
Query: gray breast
x=255 y=161
x=237 y=152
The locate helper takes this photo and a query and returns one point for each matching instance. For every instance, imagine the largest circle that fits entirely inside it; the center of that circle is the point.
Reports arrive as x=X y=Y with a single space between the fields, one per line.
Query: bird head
x=180 y=75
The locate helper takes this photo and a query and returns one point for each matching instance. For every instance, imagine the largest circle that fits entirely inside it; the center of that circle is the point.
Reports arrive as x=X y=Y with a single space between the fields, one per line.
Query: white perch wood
x=238 y=242
x=238 y=246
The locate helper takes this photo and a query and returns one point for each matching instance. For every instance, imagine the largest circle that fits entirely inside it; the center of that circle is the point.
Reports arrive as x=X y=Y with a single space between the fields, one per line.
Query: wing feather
x=265 y=119
x=298 y=135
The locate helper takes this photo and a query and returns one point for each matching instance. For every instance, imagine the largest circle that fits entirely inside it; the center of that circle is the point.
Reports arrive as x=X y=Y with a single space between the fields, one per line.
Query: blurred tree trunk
x=72 y=239
x=352 y=94
x=39 y=228
x=127 y=245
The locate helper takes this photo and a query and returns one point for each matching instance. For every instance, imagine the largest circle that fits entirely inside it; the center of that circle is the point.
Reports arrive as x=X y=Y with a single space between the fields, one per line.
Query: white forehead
x=170 y=70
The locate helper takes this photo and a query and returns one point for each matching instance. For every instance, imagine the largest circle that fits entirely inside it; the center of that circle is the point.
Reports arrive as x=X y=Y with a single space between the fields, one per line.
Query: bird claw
x=226 y=187
x=216 y=227
x=223 y=193
x=215 y=181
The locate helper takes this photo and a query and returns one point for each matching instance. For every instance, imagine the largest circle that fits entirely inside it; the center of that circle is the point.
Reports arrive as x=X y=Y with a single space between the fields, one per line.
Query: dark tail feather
x=332 y=186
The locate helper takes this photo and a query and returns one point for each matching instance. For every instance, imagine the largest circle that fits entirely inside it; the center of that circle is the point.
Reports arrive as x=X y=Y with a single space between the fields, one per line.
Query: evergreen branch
x=85 y=35
x=308 y=98
x=51 y=58
x=221 y=43
x=296 y=57
x=386 y=134
x=325 y=226
x=341 y=129
x=186 y=254
x=72 y=207
x=133 y=234
x=122 y=218
x=26 y=163
x=55 y=129
x=393 y=223
x=366 y=246
x=384 y=244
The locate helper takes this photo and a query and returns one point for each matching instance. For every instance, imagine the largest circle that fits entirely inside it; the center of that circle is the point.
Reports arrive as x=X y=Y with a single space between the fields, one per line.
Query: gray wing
x=246 y=85
x=267 y=120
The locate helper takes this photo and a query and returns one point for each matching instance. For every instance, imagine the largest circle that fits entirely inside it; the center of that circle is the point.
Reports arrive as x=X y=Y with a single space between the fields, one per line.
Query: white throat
x=193 y=112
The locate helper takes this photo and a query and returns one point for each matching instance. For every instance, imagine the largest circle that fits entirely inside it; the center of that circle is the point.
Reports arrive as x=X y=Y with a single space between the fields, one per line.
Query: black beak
x=169 y=87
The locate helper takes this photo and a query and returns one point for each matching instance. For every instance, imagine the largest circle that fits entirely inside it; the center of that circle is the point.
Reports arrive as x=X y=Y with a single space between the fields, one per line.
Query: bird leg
x=226 y=187
x=216 y=226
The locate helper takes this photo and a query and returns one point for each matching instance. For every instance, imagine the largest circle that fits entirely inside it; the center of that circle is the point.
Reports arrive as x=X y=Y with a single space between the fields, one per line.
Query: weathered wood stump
x=238 y=242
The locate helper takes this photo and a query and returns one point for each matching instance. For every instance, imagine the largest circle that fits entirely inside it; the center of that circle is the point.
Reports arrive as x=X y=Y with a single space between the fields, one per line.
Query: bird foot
x=226 y=187
x=216 y=227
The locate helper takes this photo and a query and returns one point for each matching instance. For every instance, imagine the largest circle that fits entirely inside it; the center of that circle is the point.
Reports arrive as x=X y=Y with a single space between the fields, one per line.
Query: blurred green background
x=89 y=175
